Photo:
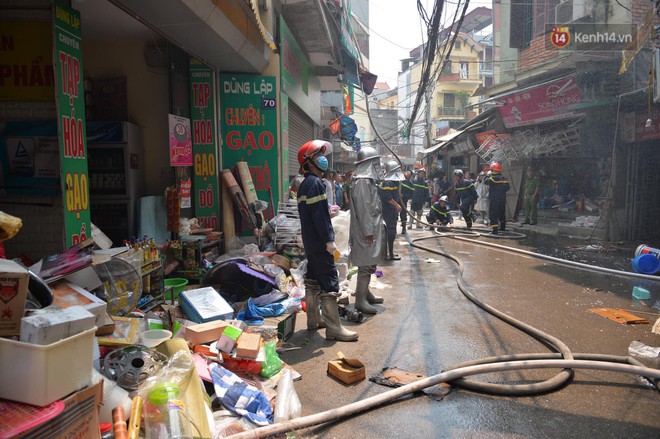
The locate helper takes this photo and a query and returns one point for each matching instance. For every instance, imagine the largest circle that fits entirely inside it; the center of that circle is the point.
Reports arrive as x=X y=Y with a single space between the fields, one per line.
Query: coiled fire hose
x=563 y=359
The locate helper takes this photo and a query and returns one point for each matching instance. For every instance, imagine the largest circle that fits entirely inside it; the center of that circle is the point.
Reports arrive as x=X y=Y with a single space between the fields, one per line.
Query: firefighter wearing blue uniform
x=391 y=201
x=420 y=196
x=407 y=190
x=497 y=189
x=318 y=236
x=439 y=212
x=467 y=195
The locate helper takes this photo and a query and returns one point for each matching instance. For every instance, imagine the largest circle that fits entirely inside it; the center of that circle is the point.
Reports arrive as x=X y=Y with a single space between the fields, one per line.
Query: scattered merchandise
x=203 y=305
x=46 y=373
x=131 y=365
x=394 y=377
x=49 y=325
x=346 y=370
x=68 y=294
x=205 y=332
x=126 y=332
x=13 y=293
x=640 y=293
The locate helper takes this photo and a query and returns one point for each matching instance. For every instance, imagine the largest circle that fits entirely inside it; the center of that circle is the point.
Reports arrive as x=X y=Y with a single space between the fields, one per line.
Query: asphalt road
x=426 y=324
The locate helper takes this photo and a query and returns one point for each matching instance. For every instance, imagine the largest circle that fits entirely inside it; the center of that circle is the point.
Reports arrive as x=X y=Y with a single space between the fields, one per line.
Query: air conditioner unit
x=571 y=10
x=564 y=12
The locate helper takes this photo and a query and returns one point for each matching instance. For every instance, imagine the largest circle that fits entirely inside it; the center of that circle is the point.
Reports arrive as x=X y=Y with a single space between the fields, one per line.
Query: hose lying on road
x=448 y=376
x=456 y=374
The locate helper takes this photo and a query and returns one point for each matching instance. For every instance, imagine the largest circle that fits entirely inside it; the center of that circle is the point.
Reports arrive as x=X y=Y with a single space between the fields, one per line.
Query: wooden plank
x=619 y=316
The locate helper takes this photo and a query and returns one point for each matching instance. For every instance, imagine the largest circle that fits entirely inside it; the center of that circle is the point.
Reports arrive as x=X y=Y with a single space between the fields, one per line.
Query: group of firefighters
x=374 y=198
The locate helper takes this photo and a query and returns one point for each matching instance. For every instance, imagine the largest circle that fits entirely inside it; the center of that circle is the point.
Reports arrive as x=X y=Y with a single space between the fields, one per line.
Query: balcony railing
x=451 y=111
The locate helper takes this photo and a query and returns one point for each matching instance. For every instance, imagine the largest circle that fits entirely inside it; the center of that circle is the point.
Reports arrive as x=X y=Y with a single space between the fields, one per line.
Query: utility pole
x=428 y=127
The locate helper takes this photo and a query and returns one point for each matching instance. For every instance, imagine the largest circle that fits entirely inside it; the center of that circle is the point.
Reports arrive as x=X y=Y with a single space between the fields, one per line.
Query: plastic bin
x=42 y=374
x=177 y=284
x=646 y=264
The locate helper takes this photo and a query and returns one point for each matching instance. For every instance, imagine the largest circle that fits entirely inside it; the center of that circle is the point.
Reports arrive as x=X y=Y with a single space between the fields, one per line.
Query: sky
x=396 y=29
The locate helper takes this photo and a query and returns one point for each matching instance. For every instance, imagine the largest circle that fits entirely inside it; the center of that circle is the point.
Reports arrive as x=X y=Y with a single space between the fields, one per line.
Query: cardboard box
x=13 y=292
x=286 y=325
x=248 y=345
x=344 y=372
x=69 y=294
x=79 y=419
x=48 y=325
x=227 y=340
x=205 y=332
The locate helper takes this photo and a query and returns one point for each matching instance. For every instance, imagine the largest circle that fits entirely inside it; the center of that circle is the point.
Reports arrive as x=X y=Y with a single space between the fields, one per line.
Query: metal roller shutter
x=301 y=130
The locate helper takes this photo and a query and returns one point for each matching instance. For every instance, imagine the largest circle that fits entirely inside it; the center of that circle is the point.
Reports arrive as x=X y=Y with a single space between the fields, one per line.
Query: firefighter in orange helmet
x=497 y=189
x=318 y=236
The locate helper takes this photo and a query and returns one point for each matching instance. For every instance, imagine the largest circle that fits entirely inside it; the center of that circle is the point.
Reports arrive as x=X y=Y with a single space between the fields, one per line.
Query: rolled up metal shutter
x=301 y=131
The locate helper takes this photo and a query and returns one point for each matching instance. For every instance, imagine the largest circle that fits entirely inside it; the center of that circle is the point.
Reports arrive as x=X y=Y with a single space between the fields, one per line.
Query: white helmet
x=444 y=198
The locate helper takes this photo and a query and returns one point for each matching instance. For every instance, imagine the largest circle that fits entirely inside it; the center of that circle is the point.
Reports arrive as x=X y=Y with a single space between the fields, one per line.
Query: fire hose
x=562 y=359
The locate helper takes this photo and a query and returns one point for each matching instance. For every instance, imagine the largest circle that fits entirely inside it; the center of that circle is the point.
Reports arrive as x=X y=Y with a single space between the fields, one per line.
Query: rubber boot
x=314 y=320
x=403 y=228
x=361 y=292
x=372 y=298
x=334 y=330
x=419 y=219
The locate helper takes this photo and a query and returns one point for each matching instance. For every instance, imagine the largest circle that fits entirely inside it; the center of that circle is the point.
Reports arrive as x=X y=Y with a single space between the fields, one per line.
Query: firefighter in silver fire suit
x=367 y=233
x=318 y=236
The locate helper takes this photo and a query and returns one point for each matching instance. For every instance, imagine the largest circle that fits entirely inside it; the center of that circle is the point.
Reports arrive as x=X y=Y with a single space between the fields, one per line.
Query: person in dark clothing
x=467 y=194
x=407 y=190
x=439 y=213
x=497 y=189
x=391 y=200
x=420 y=196
x=318 y=236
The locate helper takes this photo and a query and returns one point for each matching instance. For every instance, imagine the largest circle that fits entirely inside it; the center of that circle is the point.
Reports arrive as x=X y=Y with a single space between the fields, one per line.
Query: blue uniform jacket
x=466 y=191
x=315 y=224
x=498 y=187
x=389 y=190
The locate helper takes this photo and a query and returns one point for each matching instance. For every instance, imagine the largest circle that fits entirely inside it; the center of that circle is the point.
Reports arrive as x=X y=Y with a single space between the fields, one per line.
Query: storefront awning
x=442 y=142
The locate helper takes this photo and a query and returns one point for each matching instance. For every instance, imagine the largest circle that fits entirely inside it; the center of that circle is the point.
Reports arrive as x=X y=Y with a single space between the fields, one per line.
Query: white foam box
x=48 y=325
x=67 y=294
x=40 y=375
x=13 y=292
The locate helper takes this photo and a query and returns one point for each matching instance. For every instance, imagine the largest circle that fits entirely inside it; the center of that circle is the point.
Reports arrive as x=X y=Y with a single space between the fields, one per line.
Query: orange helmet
x=312 y=148
x=495 y=167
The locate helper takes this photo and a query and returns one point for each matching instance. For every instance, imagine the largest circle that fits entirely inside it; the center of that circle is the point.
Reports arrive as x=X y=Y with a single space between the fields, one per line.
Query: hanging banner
x=248 y=105
x=71 y=123
x=180 y=142
x=205 y=157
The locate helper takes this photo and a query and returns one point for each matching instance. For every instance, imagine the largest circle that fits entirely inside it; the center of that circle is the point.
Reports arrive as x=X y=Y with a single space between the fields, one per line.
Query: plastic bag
x=648 y=355
x=273 y=364
x=342 y=224
x=288 y=404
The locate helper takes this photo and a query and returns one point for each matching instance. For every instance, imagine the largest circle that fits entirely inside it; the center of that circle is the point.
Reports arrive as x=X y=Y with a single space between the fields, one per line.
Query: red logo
x=560 y=36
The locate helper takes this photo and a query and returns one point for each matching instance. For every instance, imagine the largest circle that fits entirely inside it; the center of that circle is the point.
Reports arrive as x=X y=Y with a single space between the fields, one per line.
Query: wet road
x=426 y=324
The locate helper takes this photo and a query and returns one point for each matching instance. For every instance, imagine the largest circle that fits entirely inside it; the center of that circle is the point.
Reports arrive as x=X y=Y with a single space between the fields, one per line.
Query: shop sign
x=545 y=103
x=294 y=65
x=181 y=153
x=249 y=130
x=26 y=69
x=635 y=127
x=71 y=123
x=205 y=156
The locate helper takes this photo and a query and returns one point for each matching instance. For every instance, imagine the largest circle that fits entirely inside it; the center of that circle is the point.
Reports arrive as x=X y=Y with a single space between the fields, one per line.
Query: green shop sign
x=71 y=123
x=205 y=158
x=249 y=131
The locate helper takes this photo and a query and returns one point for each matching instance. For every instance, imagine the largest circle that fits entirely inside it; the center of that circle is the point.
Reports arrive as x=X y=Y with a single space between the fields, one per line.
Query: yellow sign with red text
x=26 y=69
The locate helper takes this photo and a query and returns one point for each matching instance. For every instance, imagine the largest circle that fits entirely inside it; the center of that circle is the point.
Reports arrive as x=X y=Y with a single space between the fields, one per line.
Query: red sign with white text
x=545 y=103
